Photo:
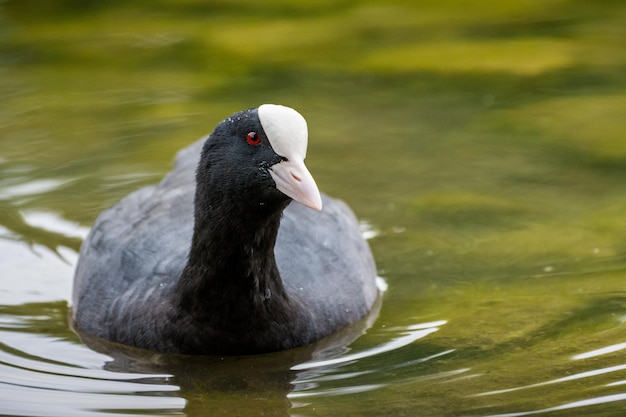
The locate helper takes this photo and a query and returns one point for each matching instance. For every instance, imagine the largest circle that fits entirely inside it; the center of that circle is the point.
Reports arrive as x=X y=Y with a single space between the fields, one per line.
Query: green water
x=483 y=145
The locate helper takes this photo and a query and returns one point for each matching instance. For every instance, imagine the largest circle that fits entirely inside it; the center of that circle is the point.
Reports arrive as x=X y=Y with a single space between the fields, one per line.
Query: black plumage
x=222 y=262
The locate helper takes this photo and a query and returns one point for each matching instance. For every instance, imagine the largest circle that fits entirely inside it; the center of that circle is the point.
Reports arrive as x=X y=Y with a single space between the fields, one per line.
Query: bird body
x=217 y=259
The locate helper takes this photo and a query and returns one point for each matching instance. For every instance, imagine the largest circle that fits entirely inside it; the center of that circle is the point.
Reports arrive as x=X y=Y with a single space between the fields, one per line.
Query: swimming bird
x=234 y=252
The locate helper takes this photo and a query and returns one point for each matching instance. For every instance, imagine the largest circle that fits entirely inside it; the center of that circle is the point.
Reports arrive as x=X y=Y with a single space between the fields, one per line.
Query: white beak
x=293 y=179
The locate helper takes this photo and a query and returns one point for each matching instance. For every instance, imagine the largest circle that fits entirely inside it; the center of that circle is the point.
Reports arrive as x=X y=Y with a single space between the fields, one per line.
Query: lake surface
x=483 y=147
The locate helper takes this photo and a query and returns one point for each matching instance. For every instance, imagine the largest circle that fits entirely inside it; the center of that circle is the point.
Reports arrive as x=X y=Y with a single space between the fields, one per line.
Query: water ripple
x=578 y=376
x=581 y=375
x=602 y=351
x=412 y=334
x=51 y=376
x=315 y=376
x=568 y=406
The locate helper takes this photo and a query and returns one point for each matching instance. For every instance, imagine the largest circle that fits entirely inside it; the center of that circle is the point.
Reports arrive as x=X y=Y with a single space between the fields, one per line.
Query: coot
x=216 y=259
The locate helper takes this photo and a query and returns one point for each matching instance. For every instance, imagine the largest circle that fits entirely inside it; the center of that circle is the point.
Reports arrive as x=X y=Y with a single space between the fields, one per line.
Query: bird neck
x=231 y=273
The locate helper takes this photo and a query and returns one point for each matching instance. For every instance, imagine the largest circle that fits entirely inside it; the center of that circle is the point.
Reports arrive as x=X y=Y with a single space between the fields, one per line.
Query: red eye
x=253 y=138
